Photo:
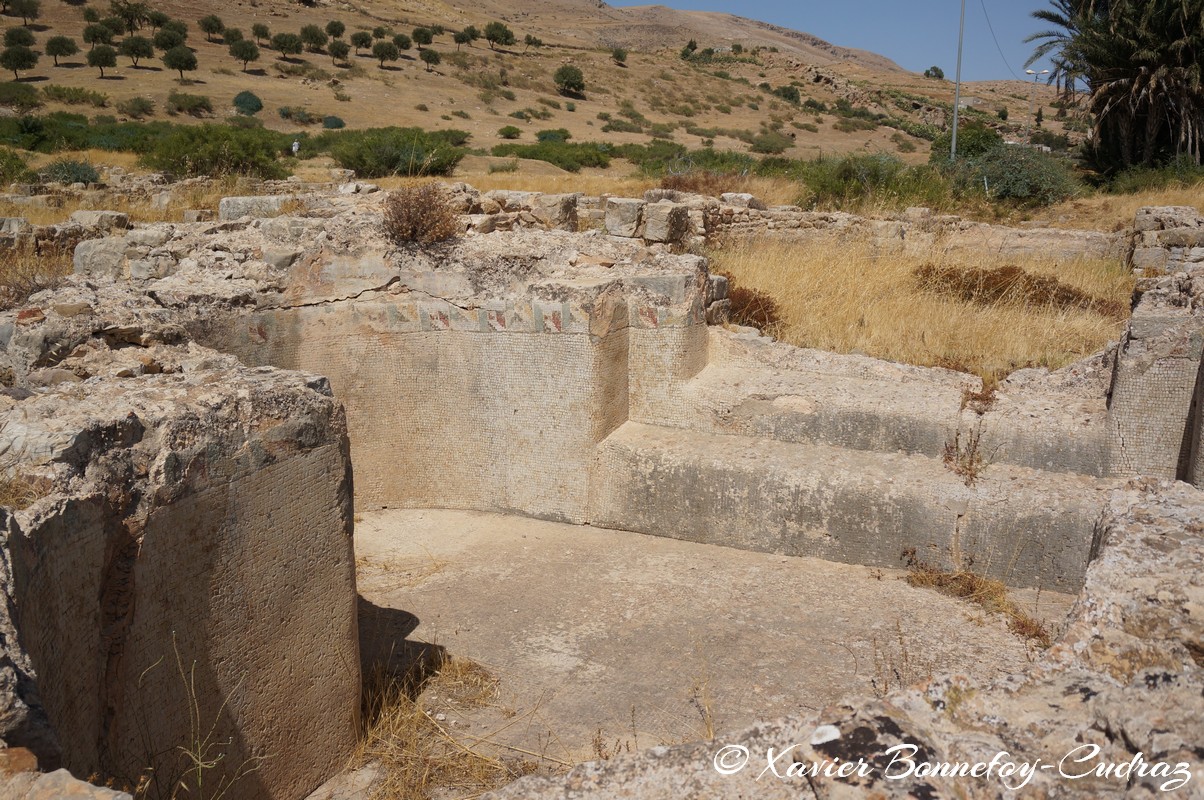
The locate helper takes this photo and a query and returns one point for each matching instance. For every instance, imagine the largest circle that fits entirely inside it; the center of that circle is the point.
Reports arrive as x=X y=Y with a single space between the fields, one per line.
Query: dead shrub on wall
x=420 y=215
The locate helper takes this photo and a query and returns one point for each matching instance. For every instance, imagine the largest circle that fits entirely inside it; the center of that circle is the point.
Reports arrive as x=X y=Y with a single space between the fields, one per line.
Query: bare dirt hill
x=729 y=99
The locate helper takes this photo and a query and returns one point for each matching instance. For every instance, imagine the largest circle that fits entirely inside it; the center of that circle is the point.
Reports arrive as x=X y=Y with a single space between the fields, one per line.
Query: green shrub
x=553 y=135
x=504 y=167
x=881 y=180
x=248 y=103
x=301 y=116
x=1182 y=173
x=75 y=96
x=1024 y=175
x=136 y=107
x=973 y=139
x=770 y=142
x=377 y=152
x=333 y=123
x=20 y=97
x=195 y=105
x=570 y=156
x=12 y=167
x=509 y=132
x=218 y=150
x=67 y=170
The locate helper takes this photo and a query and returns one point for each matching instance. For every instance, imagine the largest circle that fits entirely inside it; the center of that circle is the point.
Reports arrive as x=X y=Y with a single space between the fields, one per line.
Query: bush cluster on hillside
x=377 y=152
x=219 y=150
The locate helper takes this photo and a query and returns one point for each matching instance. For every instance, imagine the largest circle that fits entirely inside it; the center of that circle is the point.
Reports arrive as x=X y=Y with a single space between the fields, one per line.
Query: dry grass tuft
x=964 y=455
x=420 y=214
x=1115 y=212
x=26 y=270
x=19 y=491
x=989 y=594
x=417 y=755
x=848 y=296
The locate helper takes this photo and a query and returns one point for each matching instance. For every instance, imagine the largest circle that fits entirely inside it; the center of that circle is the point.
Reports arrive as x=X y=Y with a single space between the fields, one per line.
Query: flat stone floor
x=615 y=640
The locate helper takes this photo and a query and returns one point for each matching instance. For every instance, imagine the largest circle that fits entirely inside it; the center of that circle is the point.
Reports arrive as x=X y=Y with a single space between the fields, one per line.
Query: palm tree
x=1143 y=64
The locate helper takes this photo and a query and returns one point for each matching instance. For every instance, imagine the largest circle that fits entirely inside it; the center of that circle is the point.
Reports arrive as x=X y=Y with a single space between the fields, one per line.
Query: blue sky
x=914 y=33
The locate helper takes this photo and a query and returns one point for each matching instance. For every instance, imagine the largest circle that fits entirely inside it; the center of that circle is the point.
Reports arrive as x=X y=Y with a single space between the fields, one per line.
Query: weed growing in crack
x=964 y=455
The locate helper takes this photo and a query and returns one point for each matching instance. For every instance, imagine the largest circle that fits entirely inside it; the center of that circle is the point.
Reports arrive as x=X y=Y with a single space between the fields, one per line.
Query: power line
x=991 y=28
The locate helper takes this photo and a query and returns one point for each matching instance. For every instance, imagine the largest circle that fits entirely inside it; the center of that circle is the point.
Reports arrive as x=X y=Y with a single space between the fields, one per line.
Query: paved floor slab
x=606 y=639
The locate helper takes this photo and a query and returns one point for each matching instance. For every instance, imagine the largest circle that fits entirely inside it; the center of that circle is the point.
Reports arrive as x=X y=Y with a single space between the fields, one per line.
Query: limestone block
x=13 y=226
x=101 y=257
x=151 y=236
x=511 y=200
x=281 y=257
x=1159 y=218
x=1182 y=237
x=742 y=200
x=262 y=206
x=1150 y=258
x=103 y=220
x=623 y=216
x=62 y=785
x=666 y=222
x=557 y=210
x=192 y=215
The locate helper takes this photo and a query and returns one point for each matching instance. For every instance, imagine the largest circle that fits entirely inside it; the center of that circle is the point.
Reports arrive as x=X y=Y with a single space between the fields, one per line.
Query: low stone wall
x=194 y=550
x=683 y=220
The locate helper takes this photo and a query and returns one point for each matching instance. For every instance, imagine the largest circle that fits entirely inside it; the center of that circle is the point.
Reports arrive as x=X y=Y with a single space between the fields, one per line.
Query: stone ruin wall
x=561 y=375
x=196 y=548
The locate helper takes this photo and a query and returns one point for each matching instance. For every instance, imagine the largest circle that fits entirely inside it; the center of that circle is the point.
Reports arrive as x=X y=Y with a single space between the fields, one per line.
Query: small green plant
x=299 y=115
x=66 y=170
x=19 y=96
x=619 y=56
x=420 y=215
x=248 y=103
x=194 y=105
x=137 y=107
x=75 y=96
x=504 y=167
x=509 y=132
x=553 y=135
x=333 y=123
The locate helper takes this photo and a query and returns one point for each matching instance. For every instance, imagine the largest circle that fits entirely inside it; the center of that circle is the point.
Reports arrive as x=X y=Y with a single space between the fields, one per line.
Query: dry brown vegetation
x=1114 y=212
x=421 y=214
x=849 y=297
x=417 y=756
x=25 y=270
x=19 y=491
x=988 y=593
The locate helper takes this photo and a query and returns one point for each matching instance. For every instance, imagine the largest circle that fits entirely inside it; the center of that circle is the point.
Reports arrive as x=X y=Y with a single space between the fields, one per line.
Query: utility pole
x=957 y=86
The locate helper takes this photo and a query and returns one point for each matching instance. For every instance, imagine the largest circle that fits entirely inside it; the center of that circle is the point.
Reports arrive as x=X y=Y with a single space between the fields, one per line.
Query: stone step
x=1026 y=527
x=1056 y=433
